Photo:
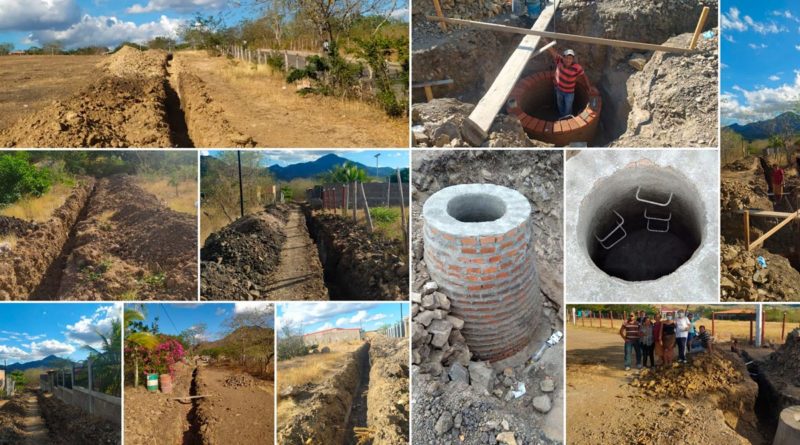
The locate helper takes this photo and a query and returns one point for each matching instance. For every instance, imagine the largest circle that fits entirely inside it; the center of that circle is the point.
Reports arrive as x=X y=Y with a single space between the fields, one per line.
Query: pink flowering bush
x=162 y=358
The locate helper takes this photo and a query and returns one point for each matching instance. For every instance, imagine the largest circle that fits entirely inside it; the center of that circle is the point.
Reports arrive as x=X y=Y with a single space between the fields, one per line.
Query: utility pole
x=376 y=164
x=241 y=191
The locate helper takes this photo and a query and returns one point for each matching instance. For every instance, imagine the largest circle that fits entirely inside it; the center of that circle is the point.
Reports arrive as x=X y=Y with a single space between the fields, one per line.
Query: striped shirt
x=631 y=331
x=566 y=76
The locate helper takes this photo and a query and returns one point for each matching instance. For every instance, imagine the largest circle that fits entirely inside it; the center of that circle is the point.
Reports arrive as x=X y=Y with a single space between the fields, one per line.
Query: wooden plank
x=475 y=128
x=747 y=229
x=773 y=230
x=700 y=24
x=432 y=83
x=561 y=36
x=767 y=213
x=402 y=206
x=428 y=93
x=440 y=14
x=366 y=208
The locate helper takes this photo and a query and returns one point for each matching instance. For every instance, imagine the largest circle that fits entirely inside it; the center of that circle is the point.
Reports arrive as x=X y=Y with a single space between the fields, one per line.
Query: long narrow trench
x=50 y=284
x=358 y=411
x=192 y=435
x=176 y=118
x=36 y=432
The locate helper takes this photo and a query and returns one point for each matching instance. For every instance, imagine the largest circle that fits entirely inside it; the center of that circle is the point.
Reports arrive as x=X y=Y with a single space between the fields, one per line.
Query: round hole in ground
x=476 y=207
x=641 y=253
x=539 y=101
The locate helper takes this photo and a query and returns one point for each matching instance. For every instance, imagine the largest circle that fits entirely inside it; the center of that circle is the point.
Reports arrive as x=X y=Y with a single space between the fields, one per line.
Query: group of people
x=647 y=338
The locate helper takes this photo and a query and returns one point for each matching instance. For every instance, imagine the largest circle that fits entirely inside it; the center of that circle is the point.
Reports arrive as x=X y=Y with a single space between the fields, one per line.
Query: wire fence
x=99 y=375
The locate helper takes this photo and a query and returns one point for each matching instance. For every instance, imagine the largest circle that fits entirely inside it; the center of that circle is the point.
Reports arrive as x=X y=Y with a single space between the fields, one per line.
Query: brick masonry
x=487 y=269
x=538 y=88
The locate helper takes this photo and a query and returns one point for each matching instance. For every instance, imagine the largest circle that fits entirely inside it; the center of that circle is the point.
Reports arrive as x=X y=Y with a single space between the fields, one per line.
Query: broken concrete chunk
x=418 y=334
x=429 y=302
x=414 y=310
x=444 y=424
x=425 y=318
x=507 y=438
x=458 y=373
x=416 y=297
x=547 y=385
x=429 y=288
x=441 y=300
x=481 y=376
x=542 y=403
x=441 y=332
x=456 y=322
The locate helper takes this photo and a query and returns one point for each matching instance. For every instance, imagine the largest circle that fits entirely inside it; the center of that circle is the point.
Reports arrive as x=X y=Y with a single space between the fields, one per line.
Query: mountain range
x=51 y=361
x=784 y=123
x=321 y=165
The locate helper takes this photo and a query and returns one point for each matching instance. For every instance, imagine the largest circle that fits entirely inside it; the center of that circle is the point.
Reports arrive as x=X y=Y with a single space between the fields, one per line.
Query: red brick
x=487 y=249
x=468 y=250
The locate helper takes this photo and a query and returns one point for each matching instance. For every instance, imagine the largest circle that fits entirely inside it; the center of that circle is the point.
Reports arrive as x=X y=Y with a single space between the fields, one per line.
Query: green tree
x=165 y=43
x=53 y=48
x=135 y=340
x=6 y=48
x=107 y=359
x=18 y=376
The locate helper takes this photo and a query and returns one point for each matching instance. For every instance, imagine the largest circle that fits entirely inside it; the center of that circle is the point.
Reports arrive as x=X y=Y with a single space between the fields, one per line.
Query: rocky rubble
x=785 y=362
x=743 y=279
x=705 y=373
x=237 y=381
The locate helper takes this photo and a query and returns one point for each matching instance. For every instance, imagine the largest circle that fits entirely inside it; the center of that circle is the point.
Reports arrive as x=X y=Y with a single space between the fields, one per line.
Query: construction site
x=345 y=385
x=487 y=297
x=103 y=226
x=205 y=384
x=737 y=385
x=760 y=237
x=642 y=223
x=334 y=234
x=482 y=75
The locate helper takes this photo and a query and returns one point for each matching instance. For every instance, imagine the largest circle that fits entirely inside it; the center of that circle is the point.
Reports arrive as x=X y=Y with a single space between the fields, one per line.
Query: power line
x=168 y=317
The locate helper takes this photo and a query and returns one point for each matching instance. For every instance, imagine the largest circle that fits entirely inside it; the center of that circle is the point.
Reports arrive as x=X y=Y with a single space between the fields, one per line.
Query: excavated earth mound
x=706 y=373
x=130 y=241
x=365 y=265
x=10 y=225
x=69 y=425
x=240 y=258
x=785 y=362
x=388 y=398
x=12 y=423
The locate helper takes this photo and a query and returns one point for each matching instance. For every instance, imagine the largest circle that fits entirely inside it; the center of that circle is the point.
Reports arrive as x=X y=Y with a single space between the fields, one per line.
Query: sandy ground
x=602 y=408
x=299 y=274
x=31 y=82
x=274 y=115
x=35 y=428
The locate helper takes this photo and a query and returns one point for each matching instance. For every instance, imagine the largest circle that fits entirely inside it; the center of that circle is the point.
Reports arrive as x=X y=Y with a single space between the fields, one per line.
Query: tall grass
x=180 y=198
x=38 y=208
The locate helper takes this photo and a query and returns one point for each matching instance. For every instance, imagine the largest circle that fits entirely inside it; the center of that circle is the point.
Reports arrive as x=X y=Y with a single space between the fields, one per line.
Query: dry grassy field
x=182 y=198
x=31 y=82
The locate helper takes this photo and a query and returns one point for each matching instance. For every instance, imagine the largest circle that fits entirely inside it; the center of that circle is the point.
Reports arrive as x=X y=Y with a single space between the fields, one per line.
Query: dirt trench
x=110 y=240
x=357 y=417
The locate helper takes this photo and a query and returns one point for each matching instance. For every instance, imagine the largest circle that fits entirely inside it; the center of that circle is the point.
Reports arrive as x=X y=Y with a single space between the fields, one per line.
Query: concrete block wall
x=92 y=402
x=487 y=268
x=329 y=336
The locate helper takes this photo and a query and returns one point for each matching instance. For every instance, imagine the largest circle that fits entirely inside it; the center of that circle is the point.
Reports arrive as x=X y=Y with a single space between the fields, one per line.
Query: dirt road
x=240 y=406
x=603 y=408
x=35 y=428
x=299 y=275
x=274 y=115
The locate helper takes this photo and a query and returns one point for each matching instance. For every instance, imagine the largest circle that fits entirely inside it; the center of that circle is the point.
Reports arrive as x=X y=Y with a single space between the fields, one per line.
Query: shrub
x=18 y=178
x=275 y=60
x=384 y=215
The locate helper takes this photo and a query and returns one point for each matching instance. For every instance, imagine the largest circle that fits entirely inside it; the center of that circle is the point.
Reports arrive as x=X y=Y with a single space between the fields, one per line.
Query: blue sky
x=173 y=318
x=760 y=59
x=388 y=158
x=312 y=317
x=32 y=331
x=80 y=23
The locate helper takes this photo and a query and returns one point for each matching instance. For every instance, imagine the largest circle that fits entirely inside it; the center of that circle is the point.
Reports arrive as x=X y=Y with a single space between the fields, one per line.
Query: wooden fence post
x=355 y=200
x=713 y=322
x=91 y=397
x=591 y=316
x=783 y=328
x=751 y=332
x=611 y=316
x=402 y=206
x=583 y=320
x=366 y=208
x=601 y=318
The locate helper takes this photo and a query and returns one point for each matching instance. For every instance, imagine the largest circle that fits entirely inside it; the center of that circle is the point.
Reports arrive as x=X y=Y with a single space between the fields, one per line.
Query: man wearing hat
x=567 y=74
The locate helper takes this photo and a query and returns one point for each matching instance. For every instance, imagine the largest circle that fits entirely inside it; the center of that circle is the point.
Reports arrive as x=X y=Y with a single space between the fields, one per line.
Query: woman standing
x=668 y=339
x=659 y=350
x=647 y=341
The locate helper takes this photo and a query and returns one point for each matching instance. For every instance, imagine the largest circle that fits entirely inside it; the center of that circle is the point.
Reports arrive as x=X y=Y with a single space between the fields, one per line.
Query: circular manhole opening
x=641 y=223
x=476 y=207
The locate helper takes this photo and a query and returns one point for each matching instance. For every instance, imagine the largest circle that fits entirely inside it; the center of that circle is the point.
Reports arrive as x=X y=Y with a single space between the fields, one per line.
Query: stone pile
x=744 y=279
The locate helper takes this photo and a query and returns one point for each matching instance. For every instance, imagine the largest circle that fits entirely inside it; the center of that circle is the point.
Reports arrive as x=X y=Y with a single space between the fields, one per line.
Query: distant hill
x=49 y=362
x=785 y=123
x=323 y=164
x=249 y=336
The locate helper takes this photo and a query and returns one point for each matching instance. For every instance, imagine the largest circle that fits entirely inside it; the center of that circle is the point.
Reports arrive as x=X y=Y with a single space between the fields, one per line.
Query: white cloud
x=733 y=20
x=757 y=46
x=325 y=326
x=255 y=306
x=16 y=15
x=774 y=78
x=759 y=103
x=377 y=317
x=176 y=5
x=729 y=38
x=306 y=314
x=12 y=353
x=49 y=347
x=106 y=31
x=84 y=331
x=401 y=14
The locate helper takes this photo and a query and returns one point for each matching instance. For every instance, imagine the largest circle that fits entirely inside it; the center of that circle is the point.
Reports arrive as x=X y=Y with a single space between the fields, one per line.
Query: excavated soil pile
x=69 y=425
x=325 y=407
x=22 y=269
x=240 y=258
x=706 y=374
x=12 y=424
x=10 y=225
x=673 y=100
x=131 y=242
x=785 y=362
x=125 y=107
x=388 y=398
x=438 y=124
x=743 y=279
x=205 y=118
x=364 y=265
x=736 y=195
x=239 y=381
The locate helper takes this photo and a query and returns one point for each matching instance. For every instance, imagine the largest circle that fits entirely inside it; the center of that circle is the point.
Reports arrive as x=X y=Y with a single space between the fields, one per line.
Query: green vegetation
x=384 y=215
x=290 y=343
x=19 y=178
x=18 y=377
x=6 y=48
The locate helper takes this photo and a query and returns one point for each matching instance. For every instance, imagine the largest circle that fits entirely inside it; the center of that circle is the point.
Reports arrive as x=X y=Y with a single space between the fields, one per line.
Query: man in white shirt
x=682 y=327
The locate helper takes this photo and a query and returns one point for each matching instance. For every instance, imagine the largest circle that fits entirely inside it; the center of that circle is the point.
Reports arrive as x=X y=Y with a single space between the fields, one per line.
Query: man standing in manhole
x=567 y=74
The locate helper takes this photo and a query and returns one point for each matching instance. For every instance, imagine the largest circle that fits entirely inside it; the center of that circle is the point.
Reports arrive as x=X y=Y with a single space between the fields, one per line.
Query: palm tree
x=107 y=358
x=345 y=174
x=137 y=339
